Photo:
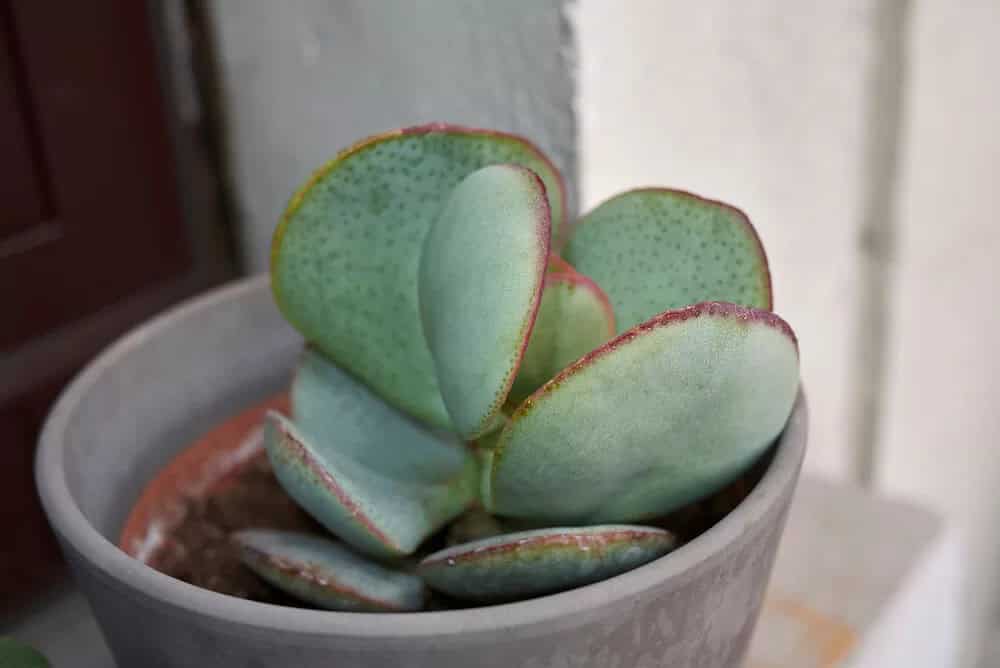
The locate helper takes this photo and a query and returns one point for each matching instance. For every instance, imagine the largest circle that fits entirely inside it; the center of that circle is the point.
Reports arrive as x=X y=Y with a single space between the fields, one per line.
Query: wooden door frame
x=202 y=208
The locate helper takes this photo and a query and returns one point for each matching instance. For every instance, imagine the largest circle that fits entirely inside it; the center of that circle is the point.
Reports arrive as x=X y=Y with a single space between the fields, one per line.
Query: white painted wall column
x=940 y=436
x=762 y=104
x=302 y=79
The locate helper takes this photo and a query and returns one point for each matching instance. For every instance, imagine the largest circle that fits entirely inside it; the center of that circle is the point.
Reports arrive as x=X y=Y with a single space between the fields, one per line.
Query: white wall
x=302 y=79
x=761 y=104
x=789 y=110
x=941 y=430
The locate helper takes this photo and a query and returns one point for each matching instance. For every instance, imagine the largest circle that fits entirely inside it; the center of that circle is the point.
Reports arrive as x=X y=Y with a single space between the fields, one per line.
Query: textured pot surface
x=162 y=386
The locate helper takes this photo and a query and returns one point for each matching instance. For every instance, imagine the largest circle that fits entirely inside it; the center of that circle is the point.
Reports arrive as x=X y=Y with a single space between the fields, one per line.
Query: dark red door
x=89 y=215
x=92 y=214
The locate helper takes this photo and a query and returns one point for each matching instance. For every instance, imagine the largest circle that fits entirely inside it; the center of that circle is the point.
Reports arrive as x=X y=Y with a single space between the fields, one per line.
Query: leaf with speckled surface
x=480 y=284
x=697 y=395
x=574 y=318
x=345 y=256
x=654 y=250
x=338 y=411
x=320 y=571
x=543 y=561
x=379 y=515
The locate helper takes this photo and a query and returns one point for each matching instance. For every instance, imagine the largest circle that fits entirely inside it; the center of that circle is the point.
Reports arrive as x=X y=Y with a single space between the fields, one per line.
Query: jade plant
x=478 y=368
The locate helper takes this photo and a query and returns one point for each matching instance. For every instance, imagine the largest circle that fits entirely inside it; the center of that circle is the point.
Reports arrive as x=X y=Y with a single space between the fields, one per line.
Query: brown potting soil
x=198 y=549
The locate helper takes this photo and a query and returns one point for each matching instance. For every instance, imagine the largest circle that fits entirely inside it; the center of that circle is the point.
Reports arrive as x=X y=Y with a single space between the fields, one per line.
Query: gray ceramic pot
x=150 y=394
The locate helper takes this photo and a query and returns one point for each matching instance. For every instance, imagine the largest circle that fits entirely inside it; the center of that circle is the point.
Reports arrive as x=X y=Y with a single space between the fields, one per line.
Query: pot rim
x=73 y=528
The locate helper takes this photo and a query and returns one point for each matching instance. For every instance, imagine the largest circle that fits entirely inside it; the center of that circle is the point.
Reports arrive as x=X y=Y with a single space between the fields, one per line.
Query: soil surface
x=198 y=549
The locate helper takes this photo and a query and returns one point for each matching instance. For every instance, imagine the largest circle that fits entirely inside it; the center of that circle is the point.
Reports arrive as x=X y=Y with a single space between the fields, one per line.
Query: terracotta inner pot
x=219 y=484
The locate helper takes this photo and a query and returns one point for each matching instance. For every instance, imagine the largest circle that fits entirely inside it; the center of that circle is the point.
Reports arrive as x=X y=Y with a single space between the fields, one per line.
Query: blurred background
x=147 y=150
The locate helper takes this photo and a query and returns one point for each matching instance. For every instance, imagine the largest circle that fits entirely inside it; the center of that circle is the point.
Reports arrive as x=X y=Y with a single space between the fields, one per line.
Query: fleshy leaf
x=322 y=572
x=345 y=256
x=574 y=318
x=340 y=413
x=664 y=414
x=557 y=265
x=480 y=284
x=379 y=515
x=487 y=441
x=544 y=561
x=654 y=250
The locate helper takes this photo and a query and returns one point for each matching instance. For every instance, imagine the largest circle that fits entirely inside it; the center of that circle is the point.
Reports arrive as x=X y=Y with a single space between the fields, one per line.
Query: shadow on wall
x=298 y=86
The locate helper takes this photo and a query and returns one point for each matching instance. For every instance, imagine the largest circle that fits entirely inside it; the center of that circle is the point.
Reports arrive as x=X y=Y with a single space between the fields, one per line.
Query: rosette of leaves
x=469 y=351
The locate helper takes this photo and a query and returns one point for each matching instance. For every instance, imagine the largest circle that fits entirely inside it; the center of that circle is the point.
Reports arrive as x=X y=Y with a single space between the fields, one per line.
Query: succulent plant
x=475 y=362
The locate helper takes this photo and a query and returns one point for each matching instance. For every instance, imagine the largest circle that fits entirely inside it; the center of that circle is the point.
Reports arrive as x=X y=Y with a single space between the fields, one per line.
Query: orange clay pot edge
x=202 y=468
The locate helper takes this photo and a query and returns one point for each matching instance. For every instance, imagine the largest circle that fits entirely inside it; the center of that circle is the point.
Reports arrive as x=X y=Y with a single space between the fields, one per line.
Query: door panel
x=113 y=224
x=91 y=233
x=21 y=189
x=30 y=556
